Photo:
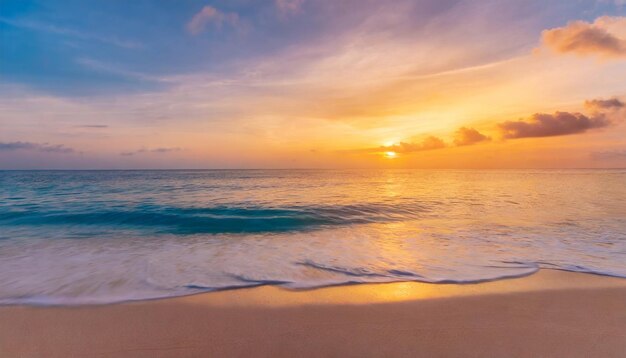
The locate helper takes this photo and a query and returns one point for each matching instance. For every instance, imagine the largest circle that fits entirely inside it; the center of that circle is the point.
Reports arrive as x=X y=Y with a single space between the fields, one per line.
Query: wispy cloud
x=604 y=37
x=100 y=66
x=44 y=27
x=161 y=150
x=210 y=15
x=40 y=147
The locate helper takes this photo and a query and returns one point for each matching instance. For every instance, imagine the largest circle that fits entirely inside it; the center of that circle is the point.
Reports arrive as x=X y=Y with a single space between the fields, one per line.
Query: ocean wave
x=211 y=220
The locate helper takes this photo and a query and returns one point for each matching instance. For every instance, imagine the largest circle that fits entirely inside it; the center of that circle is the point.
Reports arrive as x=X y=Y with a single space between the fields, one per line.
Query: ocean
x=92 y=237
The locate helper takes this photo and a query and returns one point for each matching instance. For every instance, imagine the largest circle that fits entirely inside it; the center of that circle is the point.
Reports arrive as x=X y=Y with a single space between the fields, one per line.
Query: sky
x=116 y=84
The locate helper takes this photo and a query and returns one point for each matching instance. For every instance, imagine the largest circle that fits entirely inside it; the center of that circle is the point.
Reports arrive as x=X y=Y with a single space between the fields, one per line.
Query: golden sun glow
x=391 y=155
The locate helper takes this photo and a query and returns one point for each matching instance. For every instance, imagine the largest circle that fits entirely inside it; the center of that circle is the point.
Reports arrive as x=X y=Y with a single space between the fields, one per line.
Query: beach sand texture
x=549 y=314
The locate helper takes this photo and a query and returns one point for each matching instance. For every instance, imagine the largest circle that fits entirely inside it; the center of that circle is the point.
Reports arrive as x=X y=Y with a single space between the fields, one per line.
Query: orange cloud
x=604 y=104
x=210 y=15
x=429 y=143
x=604 y=37
x=468 y=136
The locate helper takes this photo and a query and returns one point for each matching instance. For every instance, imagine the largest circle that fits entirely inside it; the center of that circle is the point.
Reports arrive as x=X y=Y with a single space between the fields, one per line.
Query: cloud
x=604 y=104
x=537 y=125
x=288 y=7
x=610 y=154
x=604 y=113
x=107 y=68
x=40 y=147
x=210 y=15
x=165 y=150
x=160 y=150
x=81 y=35
x=604 y=37
x=549 y=125
x=468 y=136
x=462 y=137
x=95 y=126
x=429 y=143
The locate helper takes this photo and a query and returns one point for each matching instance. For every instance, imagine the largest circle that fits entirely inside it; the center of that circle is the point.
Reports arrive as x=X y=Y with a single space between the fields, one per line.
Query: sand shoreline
x=548 y=314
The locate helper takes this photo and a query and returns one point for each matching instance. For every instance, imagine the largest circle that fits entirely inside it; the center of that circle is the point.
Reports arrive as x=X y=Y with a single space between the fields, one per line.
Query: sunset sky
x=312 y=84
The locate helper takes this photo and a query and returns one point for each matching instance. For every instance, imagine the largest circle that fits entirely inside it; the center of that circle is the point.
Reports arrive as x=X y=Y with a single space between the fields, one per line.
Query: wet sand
x=548 y=314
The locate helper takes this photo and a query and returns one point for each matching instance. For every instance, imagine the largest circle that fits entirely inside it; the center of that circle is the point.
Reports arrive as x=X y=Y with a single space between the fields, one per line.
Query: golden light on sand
x=391 y=155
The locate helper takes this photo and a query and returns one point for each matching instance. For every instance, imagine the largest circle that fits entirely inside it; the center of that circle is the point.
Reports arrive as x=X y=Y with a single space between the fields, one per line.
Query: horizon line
x=253 y=169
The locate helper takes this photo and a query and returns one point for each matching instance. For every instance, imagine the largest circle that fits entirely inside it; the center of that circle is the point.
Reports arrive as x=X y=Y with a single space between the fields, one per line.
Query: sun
x=391 y=155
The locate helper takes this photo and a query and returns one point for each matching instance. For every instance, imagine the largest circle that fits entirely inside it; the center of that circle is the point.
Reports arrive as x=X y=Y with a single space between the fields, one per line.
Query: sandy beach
x=548 y=314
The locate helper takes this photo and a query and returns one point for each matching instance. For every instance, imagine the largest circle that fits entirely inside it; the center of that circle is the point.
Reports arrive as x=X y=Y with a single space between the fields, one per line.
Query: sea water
x=78 y=237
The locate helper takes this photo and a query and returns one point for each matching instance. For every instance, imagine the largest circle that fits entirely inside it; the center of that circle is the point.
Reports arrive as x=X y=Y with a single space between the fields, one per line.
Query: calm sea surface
x=75 y=237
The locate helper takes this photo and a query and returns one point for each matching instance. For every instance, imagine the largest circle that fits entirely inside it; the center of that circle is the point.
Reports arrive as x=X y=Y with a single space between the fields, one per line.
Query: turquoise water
x=76 y=237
